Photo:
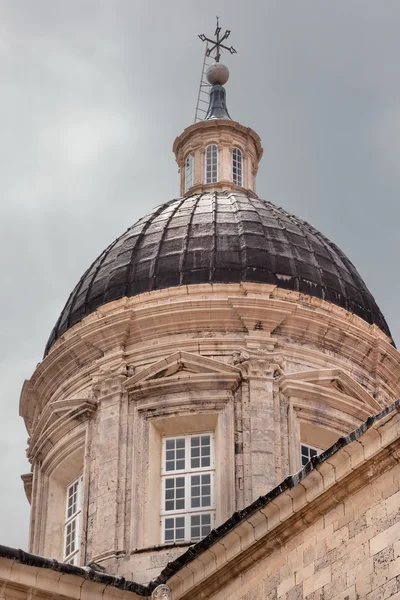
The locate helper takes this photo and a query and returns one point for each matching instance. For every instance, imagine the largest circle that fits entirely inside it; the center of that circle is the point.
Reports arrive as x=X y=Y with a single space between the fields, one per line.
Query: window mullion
x=187 y=493
x=187 y=504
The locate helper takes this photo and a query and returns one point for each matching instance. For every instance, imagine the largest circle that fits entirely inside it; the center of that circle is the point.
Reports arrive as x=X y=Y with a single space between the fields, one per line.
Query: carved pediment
x=180 y=370
x=333 y=386
x=56 y=419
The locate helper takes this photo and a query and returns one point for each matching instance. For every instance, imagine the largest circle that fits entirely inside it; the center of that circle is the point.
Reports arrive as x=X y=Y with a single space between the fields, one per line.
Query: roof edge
x=33 y=560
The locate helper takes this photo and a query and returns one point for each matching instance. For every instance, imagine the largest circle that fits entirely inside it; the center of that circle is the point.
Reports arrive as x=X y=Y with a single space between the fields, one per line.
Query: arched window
x=237 y=167
x=211 y=165
x=189 y=162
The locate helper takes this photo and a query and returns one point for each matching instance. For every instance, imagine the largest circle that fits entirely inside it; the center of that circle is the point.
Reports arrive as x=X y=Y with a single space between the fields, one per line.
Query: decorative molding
x=28 y=403
x=259 y=364
x=333 y=388
x=311 y=324
x=56 y=421
x=174 y=373
x=174 y=403
x=337 y=380
x=27 y=479
x=313 y=413
x=261 y=315
x=107 y=385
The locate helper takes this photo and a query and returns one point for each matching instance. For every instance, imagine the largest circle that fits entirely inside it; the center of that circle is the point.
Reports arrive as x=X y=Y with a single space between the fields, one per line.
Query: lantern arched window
x=189 y=165
x=211 y=164
x=237 y=167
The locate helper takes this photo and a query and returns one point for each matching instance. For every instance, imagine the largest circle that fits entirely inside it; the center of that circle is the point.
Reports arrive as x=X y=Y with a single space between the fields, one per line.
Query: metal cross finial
x=217 y=43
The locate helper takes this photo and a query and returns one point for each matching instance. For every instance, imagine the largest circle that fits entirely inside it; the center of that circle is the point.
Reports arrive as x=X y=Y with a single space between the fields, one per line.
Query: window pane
x=175 y=454
x=200 y=490
x=70 y=538
x=174 y=493
x=307 y=452
x=200 y=526
x=174 y=529
x=72 y=499
x=200 y=446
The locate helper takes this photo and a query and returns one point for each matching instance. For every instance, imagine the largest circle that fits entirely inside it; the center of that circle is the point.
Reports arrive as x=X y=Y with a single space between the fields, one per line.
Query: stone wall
x=333 y=534
x=353 y=552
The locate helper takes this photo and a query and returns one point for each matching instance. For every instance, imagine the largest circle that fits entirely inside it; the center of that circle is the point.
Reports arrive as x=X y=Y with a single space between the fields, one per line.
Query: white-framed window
x=237 y=167
x=73 y=521
x=211 y=164
x=189 y=164
x=188 y=487
x=307 y=452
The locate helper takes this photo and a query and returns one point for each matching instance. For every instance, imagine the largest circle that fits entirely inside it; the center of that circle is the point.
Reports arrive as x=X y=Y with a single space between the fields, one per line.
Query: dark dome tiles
x=224 y=237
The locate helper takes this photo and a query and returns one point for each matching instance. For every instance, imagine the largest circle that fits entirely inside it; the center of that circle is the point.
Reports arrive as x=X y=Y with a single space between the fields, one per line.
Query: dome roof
x=219 y=238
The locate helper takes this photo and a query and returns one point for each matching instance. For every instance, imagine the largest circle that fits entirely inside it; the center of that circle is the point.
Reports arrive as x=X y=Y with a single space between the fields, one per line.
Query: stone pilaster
x=108 y=476
x=259 y=422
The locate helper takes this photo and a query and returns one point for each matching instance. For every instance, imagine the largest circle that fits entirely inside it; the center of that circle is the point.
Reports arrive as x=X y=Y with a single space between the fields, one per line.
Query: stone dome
x=224 y=237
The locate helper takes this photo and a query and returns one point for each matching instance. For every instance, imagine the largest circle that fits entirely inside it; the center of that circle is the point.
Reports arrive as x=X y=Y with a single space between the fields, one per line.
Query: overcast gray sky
x=93 y=94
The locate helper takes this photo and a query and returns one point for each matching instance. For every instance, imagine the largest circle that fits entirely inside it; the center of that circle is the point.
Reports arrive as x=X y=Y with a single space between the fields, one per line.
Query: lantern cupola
x=218 y=153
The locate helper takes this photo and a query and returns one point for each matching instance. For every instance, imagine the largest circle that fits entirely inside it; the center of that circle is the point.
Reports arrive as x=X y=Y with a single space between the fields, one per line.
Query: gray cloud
x=93 y=94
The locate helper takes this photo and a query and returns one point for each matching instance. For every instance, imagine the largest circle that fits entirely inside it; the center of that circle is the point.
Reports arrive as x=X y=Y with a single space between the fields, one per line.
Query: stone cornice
x=219 y=125
x=308 y=324
x=221 y=186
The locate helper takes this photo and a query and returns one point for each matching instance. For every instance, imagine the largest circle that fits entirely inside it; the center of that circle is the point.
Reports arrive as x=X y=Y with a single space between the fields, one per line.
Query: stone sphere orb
x=217 y=73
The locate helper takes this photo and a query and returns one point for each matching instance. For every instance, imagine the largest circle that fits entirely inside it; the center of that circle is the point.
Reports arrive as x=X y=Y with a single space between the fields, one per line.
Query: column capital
x=108 y=385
